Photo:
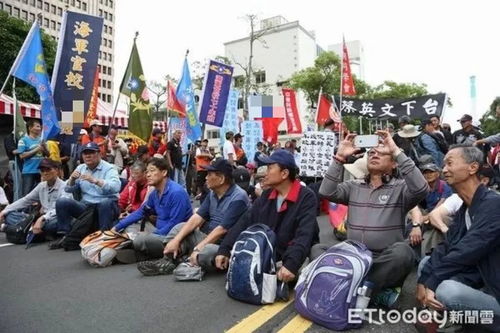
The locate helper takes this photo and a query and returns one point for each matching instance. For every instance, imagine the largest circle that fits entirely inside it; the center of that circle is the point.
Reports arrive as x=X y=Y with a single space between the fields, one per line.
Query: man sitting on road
x=197 y=239
x=169 y=202
x=288 y=208
x=462 y=272
x=46 y=193
x=99 y=185
x=378 y=206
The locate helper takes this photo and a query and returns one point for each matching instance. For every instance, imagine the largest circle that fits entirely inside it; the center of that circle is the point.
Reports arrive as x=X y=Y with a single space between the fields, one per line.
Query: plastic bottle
x=363 y=298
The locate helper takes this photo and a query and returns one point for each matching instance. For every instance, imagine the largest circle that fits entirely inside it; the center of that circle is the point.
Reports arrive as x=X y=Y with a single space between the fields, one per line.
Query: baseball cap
x=465 y=117
x=96 y=122
x=83 y=132
x=429 y=167
x=238 y=136
x=90 y=146
x=47 y=163
x=222 y=166
x=280 y=156
x=425 y=122
x=241 y=177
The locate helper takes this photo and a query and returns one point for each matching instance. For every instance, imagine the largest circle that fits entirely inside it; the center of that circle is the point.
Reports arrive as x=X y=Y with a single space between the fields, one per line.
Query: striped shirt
x=376 y=215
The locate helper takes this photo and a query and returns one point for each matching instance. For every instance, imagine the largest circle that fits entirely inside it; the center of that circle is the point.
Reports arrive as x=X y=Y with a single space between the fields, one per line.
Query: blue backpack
x=251 y=276
x=327 y=287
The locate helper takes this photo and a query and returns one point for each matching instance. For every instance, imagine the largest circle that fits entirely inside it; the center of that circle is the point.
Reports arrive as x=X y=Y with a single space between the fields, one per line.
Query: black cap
x=241 y=177
x=47 y=163
x=222 y=166
x=430 y=167
x=426 y=122
x=238 y=136
x=465 y=117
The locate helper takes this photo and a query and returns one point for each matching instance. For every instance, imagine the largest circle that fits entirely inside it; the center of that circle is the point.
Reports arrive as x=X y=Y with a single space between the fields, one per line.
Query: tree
x=13 y=32
x=490 y=121
x=199 y=69
x=159 y=91
x=248 y=84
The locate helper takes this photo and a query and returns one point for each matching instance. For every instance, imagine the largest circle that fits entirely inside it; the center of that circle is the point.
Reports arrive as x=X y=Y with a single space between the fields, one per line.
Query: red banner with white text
x=291 y=112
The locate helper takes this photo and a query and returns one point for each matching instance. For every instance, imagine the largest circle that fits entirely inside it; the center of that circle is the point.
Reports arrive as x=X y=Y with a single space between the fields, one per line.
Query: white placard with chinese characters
x=317 y=153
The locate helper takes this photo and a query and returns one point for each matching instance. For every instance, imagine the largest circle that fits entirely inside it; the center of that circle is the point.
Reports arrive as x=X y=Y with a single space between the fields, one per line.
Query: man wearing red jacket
x=134 y=193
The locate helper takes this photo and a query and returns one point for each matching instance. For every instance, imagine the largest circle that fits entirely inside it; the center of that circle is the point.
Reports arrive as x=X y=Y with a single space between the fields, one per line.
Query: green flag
x=19 y=123
x=140 y=120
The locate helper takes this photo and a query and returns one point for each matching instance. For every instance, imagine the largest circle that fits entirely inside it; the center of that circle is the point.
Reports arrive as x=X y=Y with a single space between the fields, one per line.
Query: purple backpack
x=327 y=286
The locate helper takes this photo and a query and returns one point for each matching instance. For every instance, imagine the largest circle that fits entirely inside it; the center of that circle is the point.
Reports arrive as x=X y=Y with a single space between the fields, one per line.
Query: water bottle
x=363 y=298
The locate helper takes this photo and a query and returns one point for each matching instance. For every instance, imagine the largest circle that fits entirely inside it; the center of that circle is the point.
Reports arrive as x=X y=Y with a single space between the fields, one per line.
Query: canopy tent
x=27 y=109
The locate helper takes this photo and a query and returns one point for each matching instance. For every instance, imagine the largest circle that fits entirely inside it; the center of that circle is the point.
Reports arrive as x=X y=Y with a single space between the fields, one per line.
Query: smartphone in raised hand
x=366 y=141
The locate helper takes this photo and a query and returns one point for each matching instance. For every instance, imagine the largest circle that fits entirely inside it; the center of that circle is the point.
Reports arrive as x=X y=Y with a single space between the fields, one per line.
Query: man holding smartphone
x=378 y=206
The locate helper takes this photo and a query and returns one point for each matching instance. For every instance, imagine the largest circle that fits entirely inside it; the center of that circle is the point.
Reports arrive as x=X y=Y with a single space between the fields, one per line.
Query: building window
x=46 y=6
x=213 y=134
x=73 y=3
x=8 y=9
x=240 y=103
x=46 y=22
x=100 y=12
x=39 y=4
x=111 y=3
x=105 y=28
x=25 y=15
x=78 y=4
x=33 y=3
x=110 y=57
x=239 y=81
x=17 y=12
x=109 y=70
x=53 y=9
x=106 y=15
x=25 y=1
x=109 y=84
x=59 y=11
x=109 y=98
x=111 y=17
x=53 y=25
x=110 y=29
x=32 y=17
x=84 y=6
x=110 y=43
x=58 y=26
x=260 y=77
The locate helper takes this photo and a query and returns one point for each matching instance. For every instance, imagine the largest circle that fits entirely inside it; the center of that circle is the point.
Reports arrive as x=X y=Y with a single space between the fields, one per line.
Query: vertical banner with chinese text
x=317 y=149
x=215 y=93
x=291 y=112
x=75 y=67
x=230 y=122
x=252 y=134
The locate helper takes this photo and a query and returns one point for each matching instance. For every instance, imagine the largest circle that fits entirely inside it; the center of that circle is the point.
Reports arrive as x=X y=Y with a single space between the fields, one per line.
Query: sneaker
x=386 y=297
x=57 y=244
x=156 y=267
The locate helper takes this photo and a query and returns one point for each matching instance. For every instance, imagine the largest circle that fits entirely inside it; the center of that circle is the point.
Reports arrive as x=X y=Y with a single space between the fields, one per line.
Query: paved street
x=56 y=291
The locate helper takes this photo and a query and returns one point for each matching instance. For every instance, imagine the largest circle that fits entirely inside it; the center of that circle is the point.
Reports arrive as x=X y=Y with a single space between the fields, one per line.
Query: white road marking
x=4 y=245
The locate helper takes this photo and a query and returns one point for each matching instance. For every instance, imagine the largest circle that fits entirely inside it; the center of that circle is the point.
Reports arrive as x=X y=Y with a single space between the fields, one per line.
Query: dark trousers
x=30 y=180
x=67 y=209
x=389 y=268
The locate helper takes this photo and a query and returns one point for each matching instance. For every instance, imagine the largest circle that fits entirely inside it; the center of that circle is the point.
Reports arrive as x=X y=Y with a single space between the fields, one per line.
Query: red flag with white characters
x=291 y=112
x=347 y=81
x=326 y=110
x=270 y=129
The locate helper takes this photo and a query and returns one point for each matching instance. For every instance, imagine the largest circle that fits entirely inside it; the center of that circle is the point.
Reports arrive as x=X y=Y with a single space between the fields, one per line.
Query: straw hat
x=409 y=131
x=359 y=169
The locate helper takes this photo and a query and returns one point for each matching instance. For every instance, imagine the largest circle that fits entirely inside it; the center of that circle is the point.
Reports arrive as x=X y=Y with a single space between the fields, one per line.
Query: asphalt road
x=56 y=291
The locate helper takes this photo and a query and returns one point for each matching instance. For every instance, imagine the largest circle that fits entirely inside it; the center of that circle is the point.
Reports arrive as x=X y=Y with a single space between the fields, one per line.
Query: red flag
x=173 y=103
x=347 y=81
x=323 y=110
x=270 y=128
x=92 y=111
x=291 y=112
x=337 y=214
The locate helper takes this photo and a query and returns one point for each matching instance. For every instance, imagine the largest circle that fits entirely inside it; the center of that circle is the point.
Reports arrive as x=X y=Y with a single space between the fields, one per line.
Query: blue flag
x=185 y=96
x=30 y=67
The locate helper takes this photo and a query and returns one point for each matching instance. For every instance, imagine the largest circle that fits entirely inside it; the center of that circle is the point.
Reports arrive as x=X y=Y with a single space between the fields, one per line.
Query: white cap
x=83 y=132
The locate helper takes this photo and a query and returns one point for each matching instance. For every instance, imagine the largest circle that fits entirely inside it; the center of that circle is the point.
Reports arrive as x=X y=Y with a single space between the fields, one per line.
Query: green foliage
x=490 y=121
x=13 y=31
x=391 y=89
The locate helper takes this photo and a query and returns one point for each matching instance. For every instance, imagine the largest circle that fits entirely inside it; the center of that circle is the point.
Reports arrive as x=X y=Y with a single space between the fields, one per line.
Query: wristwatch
x=416 y=225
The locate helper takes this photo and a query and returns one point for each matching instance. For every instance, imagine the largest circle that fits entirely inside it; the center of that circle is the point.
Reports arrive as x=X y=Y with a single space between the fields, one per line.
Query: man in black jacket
x=288 y=208
x=462 y=273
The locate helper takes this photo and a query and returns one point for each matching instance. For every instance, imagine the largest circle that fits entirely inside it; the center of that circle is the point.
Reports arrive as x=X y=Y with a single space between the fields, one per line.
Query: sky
x=439 y=43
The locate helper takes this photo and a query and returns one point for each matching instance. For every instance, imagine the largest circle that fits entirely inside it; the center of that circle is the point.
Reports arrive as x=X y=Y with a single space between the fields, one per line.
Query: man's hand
x=346 y=147
x=173 y=247
x=75 y=175
x=390 y=146
x=420 y=293
x=430 y=300
x=415 y=236
x=2 y=216
x=193 y=258
x=37 y=227
x=88 y=178
x=221 y=262
x=113 y=229
x=285 y=275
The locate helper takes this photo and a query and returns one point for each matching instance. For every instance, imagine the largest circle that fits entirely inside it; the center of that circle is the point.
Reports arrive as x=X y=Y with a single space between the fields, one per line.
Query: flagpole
x=340 y=92
x=5 y=84
x=317 y=107
x=119 y=93
x=15 y=176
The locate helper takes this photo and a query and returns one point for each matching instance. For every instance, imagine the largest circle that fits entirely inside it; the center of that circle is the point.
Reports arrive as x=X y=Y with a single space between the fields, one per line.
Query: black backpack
x=439 y=139
x=17 y=233
x=82 y=226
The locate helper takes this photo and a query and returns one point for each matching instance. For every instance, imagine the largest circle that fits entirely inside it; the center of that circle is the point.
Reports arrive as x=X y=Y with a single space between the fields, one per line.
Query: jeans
x=30 y=180
x=179 y=177
x=67 y=209
x=455 y=295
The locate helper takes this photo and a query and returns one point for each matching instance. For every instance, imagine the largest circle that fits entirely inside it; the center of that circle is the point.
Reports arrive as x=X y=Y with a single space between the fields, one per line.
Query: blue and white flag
x=252 y=133
x=30 y=67
x=185 y=96
x=230 y=123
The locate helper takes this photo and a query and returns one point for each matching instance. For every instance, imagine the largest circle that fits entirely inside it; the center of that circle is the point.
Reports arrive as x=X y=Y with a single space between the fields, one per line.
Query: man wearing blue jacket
x=463 y=272
x=169 y=202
